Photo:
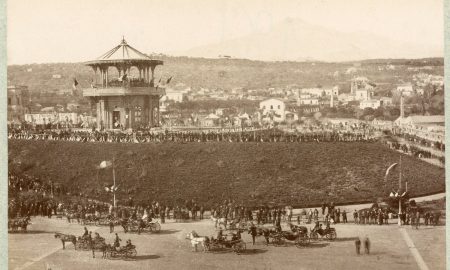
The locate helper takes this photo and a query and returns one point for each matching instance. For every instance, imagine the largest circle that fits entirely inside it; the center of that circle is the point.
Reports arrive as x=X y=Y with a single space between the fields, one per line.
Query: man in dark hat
x=367 y=245
x=253 y=232
x=358 y=246
x=117 y=241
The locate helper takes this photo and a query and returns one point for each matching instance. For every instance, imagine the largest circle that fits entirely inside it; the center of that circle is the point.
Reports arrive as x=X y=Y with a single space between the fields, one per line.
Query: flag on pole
x=111 y=188
x=75 y=83
x=389 y=169
x=105 y=164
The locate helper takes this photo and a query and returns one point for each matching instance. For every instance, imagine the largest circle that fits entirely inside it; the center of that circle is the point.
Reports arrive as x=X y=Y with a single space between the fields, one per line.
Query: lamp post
x=114 y=184
x=399 y=196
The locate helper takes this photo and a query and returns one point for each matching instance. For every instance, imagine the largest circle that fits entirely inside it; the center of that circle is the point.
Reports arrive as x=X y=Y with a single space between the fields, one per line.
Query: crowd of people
x=374 y=216
x=268 y=135
x=30 y=196
x=37 y=201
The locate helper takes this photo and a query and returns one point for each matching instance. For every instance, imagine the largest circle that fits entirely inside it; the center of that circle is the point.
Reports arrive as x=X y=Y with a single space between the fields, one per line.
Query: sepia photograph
x=225 y=134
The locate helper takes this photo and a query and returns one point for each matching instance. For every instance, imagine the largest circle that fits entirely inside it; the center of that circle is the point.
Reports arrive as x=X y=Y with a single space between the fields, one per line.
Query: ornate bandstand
x=123 y=89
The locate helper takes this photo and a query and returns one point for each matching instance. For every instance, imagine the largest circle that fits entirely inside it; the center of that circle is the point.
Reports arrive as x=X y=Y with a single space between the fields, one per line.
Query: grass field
x=298 y=174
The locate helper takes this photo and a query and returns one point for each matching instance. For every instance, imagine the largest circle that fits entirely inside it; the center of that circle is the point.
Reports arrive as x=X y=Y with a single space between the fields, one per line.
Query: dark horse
x=67 y=238
x=22 y=223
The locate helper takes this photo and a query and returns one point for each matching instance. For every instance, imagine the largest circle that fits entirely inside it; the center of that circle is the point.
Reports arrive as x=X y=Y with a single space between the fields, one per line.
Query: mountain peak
x=293 y=39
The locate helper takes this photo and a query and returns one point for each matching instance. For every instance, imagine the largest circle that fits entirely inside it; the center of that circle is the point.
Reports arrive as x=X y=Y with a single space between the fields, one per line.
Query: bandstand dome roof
x=124 y=54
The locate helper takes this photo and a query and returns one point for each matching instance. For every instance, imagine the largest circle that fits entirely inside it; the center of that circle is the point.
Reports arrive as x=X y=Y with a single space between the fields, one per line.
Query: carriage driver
x=141 y=225
x=220 y=235
x=86 y=233
x=318 y=228
x=128 y=245
x=117 y=241
x=97 y=236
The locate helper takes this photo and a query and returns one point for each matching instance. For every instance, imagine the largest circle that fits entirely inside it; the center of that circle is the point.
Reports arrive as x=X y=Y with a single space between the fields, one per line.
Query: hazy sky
x=80 y=30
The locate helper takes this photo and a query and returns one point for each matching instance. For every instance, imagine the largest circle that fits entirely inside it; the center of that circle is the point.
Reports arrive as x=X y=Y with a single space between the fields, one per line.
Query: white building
x=46 y=118
x=345 y=98
x=363 y=94
x=319 y=92
x=386 y=101
x=273 y=109
x=176 y=96
x=372 y=103
x=405 y=89
x=431 y=127
x=308 y=101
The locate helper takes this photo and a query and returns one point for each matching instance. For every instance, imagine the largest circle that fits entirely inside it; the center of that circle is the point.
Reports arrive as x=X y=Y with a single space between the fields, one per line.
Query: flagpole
x=114 y=184
x=400 y=198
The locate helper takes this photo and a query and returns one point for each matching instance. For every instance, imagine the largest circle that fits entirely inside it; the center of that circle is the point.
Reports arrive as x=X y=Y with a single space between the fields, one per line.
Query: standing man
x=358 y=246
x=117 y=241
x=417 y=219
x=202 y=211
x=253 y=232
x=344 y=216
x=111 y=224
x=367 y=245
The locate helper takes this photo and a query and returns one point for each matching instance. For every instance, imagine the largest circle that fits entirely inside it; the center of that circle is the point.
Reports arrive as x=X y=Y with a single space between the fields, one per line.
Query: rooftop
x=124 y=54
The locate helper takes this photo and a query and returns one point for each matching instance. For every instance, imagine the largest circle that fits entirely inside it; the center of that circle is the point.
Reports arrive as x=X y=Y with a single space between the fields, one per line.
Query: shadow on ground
x=146 y=257
x=29 y=232
x=161 y=232
x=343 y=239
x=253 y=251
x=317 y=245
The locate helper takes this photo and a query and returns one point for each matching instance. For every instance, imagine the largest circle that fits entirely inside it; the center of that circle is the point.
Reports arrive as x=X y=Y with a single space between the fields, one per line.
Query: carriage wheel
x=314 y=235
x=113 y=254
x=156 y=227
x=238 y=247
x=301 y=241
x=331 y=235
x=131 y=253
x=278 y=241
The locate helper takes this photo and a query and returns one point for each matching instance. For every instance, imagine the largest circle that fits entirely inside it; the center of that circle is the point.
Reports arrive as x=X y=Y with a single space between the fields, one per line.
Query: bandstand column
x=145 y=75
x=150 y=111
x=106 y=77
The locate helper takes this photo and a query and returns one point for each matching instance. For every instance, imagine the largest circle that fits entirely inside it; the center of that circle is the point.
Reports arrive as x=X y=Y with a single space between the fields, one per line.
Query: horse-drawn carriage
x=141 y=226
x=84 y=243
x=211 y=244
x=237 y=245
x=298 y=235
x=91 y=220
x=106 y=220
x=121 y=252
x=329 y=233
x=16 y=223
x=235 y=224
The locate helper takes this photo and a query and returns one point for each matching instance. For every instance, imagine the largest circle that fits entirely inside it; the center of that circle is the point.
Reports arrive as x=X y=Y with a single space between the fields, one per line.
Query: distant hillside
x=288 y=173
x=231 y=73
x=295 y=39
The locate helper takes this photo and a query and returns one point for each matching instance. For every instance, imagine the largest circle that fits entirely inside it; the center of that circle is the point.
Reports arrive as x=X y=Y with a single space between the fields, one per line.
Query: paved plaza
x=169 y=249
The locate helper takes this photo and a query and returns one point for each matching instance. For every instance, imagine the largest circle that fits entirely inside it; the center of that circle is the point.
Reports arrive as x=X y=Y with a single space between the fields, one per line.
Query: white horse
x=218 y=221
x=196 y=239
